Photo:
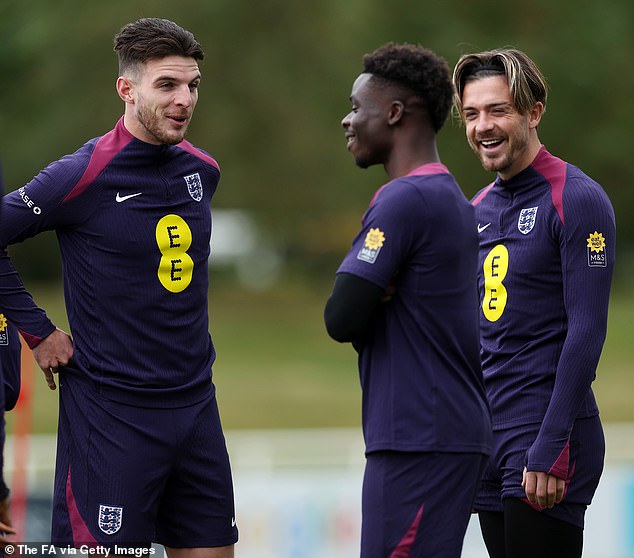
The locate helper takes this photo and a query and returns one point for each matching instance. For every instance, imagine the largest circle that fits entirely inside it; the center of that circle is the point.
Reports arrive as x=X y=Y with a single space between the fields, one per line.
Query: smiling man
x=547 y=246
x=141 y=454
x=405 y=297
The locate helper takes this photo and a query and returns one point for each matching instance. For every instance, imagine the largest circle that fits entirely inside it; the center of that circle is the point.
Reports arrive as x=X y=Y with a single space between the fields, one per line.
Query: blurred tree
x=276 y=82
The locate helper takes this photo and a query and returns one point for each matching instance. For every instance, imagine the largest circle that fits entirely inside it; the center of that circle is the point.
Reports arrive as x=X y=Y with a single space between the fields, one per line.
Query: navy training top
x=547 y=249
x=133 y=223
x=419 y=362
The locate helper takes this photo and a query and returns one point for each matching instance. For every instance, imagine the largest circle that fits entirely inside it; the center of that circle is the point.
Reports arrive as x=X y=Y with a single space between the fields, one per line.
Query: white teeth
x=489 y=143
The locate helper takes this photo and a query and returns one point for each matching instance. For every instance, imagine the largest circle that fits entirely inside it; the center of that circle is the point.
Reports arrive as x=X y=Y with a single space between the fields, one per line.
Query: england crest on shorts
x=110 y=518
x=526 y=222
x=194 y=186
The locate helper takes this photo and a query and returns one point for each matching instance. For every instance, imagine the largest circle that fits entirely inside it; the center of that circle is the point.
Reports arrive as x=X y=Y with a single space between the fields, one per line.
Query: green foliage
x=276 y=81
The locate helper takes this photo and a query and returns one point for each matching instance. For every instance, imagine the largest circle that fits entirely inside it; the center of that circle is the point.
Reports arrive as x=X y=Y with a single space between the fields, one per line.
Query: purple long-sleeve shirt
x=547 y=249
x=133 y=223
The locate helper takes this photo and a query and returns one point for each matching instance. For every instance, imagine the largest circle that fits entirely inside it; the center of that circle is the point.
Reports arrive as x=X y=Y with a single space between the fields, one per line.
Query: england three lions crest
x=194 y=186
x=526 y=222
x=110 y=518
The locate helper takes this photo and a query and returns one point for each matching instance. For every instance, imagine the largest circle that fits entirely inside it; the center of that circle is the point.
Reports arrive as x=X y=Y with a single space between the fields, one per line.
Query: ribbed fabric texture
x=549 y=235
x=134 y=224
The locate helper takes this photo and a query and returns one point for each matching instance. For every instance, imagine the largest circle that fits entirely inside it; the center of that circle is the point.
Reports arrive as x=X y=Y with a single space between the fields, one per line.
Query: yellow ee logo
x=495 y=268
x=174 y=238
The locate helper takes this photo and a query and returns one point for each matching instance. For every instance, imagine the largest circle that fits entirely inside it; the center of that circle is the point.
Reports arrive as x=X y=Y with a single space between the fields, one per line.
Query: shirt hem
x=506 y=425
x=418 y=448
x=148 y=398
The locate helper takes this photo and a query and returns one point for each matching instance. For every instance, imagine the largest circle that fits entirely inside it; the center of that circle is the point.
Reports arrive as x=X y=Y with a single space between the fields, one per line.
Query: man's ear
x=397 y=109
x=535 y=115
x=125 y=89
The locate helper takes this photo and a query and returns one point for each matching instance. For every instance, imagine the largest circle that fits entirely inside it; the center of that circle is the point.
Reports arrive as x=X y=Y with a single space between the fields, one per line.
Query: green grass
x=277 y=368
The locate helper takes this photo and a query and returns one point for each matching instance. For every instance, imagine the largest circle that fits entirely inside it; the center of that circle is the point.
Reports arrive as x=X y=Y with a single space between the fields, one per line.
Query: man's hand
x=543 y=489
x=5 y=523
x=52 y=352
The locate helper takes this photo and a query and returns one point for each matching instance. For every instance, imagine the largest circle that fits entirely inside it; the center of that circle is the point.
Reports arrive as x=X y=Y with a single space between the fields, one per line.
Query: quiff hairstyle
x=152 y=38
x=418 y=69
x=526 y=83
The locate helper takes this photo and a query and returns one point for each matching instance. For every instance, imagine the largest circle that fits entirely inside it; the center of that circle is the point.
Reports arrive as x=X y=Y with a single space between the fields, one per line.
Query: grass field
x=277 y=368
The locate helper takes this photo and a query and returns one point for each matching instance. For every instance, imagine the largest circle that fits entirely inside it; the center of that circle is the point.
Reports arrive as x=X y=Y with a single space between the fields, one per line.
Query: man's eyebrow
x=172 y=78
x=489 y=105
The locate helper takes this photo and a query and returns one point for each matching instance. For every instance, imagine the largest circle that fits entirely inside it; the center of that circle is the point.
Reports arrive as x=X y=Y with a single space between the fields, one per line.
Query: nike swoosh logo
x=124 y=198
x=481 y=228
x=233 y=522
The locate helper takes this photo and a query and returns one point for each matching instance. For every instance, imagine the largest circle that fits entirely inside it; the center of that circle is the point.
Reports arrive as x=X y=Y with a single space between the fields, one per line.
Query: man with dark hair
x=405 y=297
x=141 y=454
x=152 y=38
x=547 y=247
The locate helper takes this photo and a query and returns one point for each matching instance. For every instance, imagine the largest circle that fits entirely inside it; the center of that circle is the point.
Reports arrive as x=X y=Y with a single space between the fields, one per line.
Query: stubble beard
x=151 y=121
x=516 y=146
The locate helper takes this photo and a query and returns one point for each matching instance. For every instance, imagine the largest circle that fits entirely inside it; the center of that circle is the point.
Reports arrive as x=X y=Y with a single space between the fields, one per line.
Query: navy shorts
x=417 y=504
x=503 y=475
x=131 y=476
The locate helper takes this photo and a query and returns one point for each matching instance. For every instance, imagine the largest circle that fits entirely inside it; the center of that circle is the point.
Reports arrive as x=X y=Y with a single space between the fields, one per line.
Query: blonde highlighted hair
x=526 y=82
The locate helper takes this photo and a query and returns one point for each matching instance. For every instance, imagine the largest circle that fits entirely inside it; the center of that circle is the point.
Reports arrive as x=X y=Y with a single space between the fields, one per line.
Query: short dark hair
x=418 y=69
x=525 y=80
x=151 y=38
